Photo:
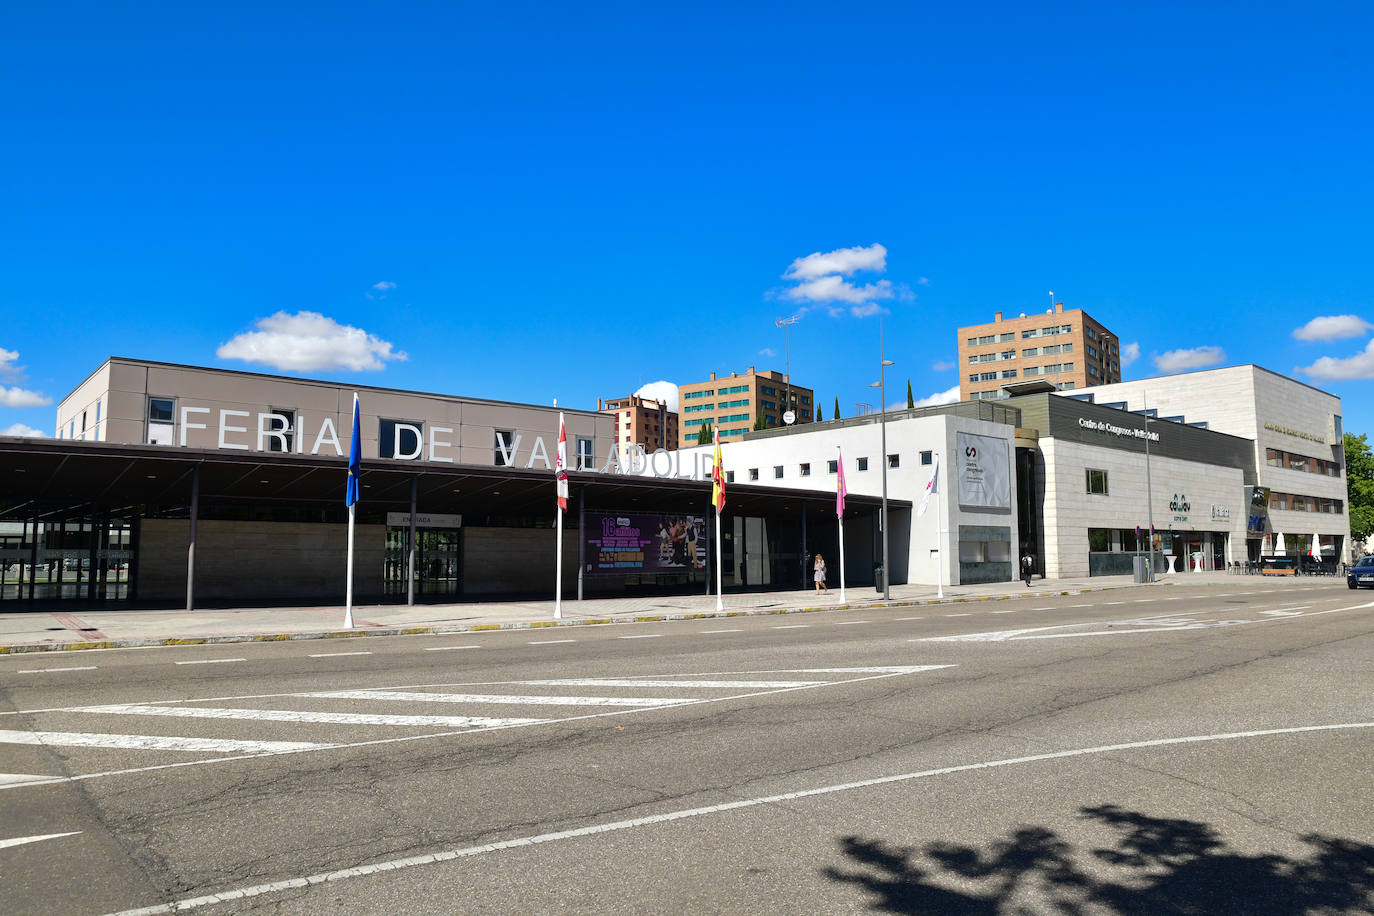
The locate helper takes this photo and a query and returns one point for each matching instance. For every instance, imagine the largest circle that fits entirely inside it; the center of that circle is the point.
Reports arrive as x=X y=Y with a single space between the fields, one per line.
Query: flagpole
x=351 y=494
x=842 y=598
x=939 y=544
x=558 y=572
x=560 y=474
x=348 y=598
x=839 y=513
x=720 y=604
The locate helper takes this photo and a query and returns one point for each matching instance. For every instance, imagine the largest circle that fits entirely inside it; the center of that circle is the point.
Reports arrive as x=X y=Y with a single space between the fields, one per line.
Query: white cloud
x=18 y=397
x=924 y=281
x=944 y=365
x=1196 y=358
x=384 y=285
x=660 y=391
x=863 y=311
x=838 y=289
x=1129 y=354
x=842 y=261
x=948 y=396
x=1333 y=327
x=7 y=358
x=768 y=351
x=19 y=429
x=1331 y=368
x=306 y=341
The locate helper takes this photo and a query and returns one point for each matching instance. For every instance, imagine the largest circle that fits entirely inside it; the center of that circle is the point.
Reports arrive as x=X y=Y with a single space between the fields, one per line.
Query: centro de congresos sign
x=1111 y=429
x=276 y=428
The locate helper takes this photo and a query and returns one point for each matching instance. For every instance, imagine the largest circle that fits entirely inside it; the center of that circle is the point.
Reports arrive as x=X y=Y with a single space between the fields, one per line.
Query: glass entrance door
x=437 y=563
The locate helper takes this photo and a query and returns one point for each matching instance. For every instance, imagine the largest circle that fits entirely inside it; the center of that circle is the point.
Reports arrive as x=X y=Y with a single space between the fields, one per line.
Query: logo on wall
x=1180 y=503
x=971 y=452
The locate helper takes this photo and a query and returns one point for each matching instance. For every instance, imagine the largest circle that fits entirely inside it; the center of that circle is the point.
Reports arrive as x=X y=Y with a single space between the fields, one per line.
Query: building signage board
x=619 y=544
x=1257 y=520
x=424 y=520
x=1111 y=429
x=984 y=470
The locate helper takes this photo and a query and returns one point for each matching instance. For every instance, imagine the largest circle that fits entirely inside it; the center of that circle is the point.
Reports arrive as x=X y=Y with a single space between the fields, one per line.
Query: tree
x=819 y=417
x=837 y=408
x=761 y=422
x=705 y=435
x=910 y=401
x=1359 y=484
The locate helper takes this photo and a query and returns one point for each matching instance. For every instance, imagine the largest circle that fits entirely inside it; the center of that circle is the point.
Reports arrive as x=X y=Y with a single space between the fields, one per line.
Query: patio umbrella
x=1278 y=547
x=1316 y=551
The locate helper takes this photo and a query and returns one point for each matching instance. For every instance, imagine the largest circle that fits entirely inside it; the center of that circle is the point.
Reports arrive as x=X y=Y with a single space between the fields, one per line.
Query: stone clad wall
x=506 y=560
x=258 y=562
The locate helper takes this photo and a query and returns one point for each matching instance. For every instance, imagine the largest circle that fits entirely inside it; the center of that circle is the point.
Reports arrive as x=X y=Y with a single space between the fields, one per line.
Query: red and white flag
x=930 y=488
x=840 y=491
x=560 y=467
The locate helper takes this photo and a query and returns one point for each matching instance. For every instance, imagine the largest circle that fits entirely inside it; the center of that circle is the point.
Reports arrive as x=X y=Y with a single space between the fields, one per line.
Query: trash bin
x=1141 y=566
x=878 y=577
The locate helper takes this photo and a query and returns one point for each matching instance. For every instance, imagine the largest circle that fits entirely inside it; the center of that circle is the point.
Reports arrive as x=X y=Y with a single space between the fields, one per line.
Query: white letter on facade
x=224 y=427
x=539 y=452
x=327 y=427
x=508 y=455
x=396 y=443
x=274 y=431
x=187 y=424
x=653 y=463
x=435 y=442
x=611 y=460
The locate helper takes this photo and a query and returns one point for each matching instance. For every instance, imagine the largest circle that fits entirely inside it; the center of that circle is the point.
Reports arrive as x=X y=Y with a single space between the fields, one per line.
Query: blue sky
x=529 y=202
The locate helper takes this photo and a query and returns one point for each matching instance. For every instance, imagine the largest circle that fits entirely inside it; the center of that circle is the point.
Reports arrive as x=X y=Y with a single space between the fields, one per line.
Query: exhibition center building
x=181 y=486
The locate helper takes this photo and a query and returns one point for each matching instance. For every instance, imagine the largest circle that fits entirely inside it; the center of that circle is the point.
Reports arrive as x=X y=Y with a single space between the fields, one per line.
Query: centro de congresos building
x=183 y=486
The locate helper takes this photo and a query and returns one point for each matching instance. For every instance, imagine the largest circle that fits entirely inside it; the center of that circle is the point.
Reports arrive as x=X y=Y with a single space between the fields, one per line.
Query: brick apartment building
x=641 y=421
x=1069 y=349
x=733 y=402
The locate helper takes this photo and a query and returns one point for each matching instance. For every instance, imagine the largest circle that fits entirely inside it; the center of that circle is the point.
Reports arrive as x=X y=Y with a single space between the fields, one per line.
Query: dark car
x=1362 y=573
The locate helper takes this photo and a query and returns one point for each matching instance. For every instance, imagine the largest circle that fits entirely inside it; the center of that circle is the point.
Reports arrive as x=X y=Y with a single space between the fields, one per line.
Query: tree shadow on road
x=1157 y=865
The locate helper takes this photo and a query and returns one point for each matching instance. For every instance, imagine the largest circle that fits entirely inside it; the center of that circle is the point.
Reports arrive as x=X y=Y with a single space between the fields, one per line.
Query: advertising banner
x=1257 y=512
x=983 y=467
x=621 y=543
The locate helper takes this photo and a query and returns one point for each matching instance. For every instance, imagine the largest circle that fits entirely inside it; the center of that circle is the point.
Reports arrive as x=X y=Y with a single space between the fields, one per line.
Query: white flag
x=560 y=467
x=930 y=488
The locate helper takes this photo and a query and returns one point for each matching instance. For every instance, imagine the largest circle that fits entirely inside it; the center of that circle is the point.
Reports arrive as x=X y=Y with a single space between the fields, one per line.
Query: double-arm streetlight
x=881 y=385
x=786 y=325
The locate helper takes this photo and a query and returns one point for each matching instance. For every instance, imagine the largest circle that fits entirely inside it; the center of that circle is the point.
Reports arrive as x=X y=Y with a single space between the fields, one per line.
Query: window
x=733 y=390
x=894 y=461
x=1092 y=370
x=1099 y=540
x=739 y=402
x=284 y=426
x=777 y=472
x=987 y=377
x=753 y=473
x=696 y=408
x=833 y=465
x=161 y=414
x=862 y=464
x=399 y=439
x=691 y=395
x=767 y=405
x=973 y=376
x=764 y=389
x=973 y=359
x=927 y=457
x=1008 y=373
x=1092 y=351
x=585 y=459
x=805 y=470
x=1009 y=354
x=161 y=410
x=1097 y=481
x=1007 y=337
x=504 y=452
x=729 y=476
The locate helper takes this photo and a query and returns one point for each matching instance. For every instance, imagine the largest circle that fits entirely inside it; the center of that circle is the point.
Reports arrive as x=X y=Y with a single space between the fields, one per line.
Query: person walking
x=819 y=574
x=1027 y=567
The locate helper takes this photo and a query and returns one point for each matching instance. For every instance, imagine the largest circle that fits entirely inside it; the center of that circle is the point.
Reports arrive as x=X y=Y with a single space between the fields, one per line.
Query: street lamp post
x=1149 y=492
x=786 y=325
x=881 y=385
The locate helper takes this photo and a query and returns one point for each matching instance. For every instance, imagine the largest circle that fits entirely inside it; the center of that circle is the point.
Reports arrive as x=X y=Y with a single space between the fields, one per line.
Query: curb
x=27 y=648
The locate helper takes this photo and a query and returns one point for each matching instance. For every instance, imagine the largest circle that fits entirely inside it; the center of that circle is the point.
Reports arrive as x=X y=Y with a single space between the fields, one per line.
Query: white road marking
x=338 y=654
x=1115 y=602
x=290 y=715
x=550 y=642
x=849 y=623
x=1078 y=605
x=496 y=698
x=51 y=670
x=449 y=855
x=1012 y=611
x=18 y=779
x=910 y=618
x=1143 y=600
x=1042 y=609
x=668 y=682
x=153 y=742
x=958 y=615
x=792 y=626
x=21 y=840
x=448 y=648
x=644 y=636
x=212 y=661
x=722 y=631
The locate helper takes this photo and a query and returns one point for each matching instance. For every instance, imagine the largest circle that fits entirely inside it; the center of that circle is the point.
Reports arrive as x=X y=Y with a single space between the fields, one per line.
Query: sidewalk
x=68 y=630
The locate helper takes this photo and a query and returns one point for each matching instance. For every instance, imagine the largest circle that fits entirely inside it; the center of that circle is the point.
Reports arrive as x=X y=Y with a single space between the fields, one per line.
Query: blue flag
x=355 y=454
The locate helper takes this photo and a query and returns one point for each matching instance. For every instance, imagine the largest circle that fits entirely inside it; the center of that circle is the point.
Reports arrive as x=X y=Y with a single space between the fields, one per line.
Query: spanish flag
x=717 y=480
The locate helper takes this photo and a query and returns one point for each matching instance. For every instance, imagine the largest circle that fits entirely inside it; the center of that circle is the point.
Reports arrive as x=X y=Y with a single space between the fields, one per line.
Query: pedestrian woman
x=819 y=574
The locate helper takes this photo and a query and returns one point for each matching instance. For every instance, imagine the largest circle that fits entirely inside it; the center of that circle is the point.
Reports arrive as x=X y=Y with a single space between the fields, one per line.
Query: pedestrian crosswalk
x=231 y=728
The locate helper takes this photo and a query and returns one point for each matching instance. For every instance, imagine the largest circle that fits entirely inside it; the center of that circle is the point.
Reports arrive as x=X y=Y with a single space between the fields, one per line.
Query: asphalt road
x=1158 y=749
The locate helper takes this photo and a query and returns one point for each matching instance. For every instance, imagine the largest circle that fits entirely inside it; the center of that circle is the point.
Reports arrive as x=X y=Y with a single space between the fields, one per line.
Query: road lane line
x=338 y=654
x=704 y=632
x=21 y=840
x=849 y=623
x=670 y=682
x=448 y=648
x=910 y=618
x=792 y=626
x=153 y=742
x=958 y=615
x=211 y=661
x=290 y=715
x=51 y=670
x=1042 y=609
x=550 y=642
x=643 y=636
x=449 y=855
x=18 y=779
x=1012 y=611
x=495 y=698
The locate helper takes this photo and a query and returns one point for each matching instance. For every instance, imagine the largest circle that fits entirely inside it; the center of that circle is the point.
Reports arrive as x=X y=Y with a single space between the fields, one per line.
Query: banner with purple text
x=631 y=544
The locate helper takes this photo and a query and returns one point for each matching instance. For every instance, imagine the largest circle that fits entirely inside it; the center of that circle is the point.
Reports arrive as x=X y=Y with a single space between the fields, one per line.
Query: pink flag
x=840 y=492
x=560 y=467
x=930 y=488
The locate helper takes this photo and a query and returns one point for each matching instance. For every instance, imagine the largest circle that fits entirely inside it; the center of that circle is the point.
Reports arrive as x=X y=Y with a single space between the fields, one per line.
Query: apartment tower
x=732 y=403
x=1069 y=349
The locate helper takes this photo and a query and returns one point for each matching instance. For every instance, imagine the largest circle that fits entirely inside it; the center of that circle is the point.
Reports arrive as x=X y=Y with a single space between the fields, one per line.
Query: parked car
x=1362 y=573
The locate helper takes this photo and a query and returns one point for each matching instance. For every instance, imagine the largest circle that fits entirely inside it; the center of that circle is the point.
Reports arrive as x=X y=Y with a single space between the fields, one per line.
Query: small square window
x=862 y=464
x=805 y=470
x=927 y=457
x=833 y=465
x=160 y=410
x=729 y=476
x=777 y=472
x=753 y=473
x=894 y=461
x=1097 y=481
